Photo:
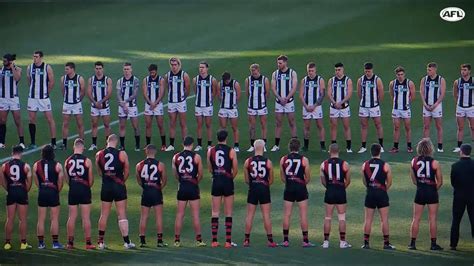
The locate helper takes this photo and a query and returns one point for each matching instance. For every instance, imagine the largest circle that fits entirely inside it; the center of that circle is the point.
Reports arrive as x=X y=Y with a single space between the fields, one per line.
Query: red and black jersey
x=111 y=166
x=47 y=174
x=334 y=173
x=422 y=167
x=15 y=174
x=259 y=172
x=220 y=161
x=294 y=170
x=150 y=174
x=187 y=167
x=375 y=175
x=77 y=171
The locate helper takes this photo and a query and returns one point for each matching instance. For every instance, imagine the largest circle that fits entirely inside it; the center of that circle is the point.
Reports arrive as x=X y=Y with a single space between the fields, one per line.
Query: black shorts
x=222 y=186
x=152 y=197
x=425 y=196
x=188 y=192
x=79 y=196
x=113 y=192
x=17 y=196
x=376 y=199
x=48 y=198
x=259 y=196
x=296 y=195
x=335 y=196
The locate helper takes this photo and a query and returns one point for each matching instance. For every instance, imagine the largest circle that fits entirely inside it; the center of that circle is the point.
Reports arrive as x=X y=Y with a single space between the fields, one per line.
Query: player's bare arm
x=145 y=92
x=237 y=90
x=439 y=174
x=294 y=85
x=411 y=86
x=246 y=173
x=380 y=89
x=422 y=93
x=455 y=91
x=209 y=165
x=388 y=170
x=59 y=169
x=123 y=157
x=16 y=70
x=164 y=177
x=82 y=89
x=273 y=86
x=235 y=164
x=322 y=92
x=161 y=94
x=91 y=172
x=363 y=177
x=35 y=177
x=301 y=94
x=359 y=88
x=307 y=170
x=200 y=168
x=270 y=175
x=137 y=174
x=321 y=175
x=3 y=181
x=99 y=170
x=282 y=171
x=346 y=169
x=28 y=177
x=187 y=84
x=61 y=85
x=390 y=89
x=50 y=78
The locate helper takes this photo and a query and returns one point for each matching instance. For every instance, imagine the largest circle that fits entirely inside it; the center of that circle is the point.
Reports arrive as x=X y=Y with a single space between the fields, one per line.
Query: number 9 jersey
x=113 y=181
x=15 y=174
x=77 y=173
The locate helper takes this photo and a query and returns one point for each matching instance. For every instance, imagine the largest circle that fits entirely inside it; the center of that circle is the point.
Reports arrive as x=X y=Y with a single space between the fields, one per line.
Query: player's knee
x=341 y=217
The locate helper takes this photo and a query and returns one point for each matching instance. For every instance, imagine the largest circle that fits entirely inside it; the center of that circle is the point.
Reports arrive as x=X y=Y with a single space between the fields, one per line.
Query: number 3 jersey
x=150 y=174
x=77 y=172
x=110 y=166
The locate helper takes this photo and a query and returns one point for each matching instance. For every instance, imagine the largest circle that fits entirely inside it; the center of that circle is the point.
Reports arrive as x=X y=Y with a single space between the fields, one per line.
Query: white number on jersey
x=220 y=158
x=375 y=171
x=149 y=176
x=290 y=163
x=189 y=164
x=258 y=169
x=423 y=165
x=15 y=173
x=76 y=167
x=338 y=171
x=110 y=159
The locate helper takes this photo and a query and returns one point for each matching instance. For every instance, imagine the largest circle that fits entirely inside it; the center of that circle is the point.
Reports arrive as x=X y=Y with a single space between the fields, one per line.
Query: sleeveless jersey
x=425 y=175
x=221 y=162
x=47 y=175
x=311 y=92
x=401 y=95
x=465 y=92
x=127 y=87
x=432 y=89
x=334 y=173
x=228 y=95
x=72 y=89
x=99 y=90
x=8 y=85
x=15 y=175
x=374 y=174
x=257 y=93
x=203 y=91
x=77 y=172
x=294 y=171
x=176 y=88
x=284 y=83
x=111 y=166
x=39 y=81
x=153 y=87
x=339 y=90
x=150 y=174
x=259 y=173
x=186 y=167
x=370 y=93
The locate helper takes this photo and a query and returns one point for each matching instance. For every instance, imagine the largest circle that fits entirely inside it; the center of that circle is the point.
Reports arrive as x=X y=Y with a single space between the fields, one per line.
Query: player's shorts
x=113 y=192
x=376 y=199
x=152 y=197
x=39 y=105
x=81 y=196
x=204 y=111
x=48 y=198
x=10 y=104
x=369 y=111
x=436 y=113
x=287 y=108
x=17 y=196
x=177 y=107
x=259 y=196
x=335 y=196
x=403 y=114
x=339 y=113
x=257 y=112
x=72 y=109
x=426 y=195
x=222 y=187
x=100 y=112
x=228 y=113
x=188 y=192
x=464 y=112
x=157 y=111
x=132 y=112
x=296 y=195
x=317 y=113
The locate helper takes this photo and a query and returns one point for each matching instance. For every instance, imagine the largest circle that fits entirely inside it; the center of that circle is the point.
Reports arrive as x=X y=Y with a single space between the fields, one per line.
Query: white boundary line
x=26 y=152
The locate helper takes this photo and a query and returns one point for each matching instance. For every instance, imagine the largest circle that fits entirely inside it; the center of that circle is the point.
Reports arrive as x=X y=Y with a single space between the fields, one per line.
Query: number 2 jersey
x=111 y=166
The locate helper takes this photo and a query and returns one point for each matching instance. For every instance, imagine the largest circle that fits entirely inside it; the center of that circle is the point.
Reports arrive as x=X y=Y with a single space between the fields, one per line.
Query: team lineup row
x=283 y=84
x=113 y=166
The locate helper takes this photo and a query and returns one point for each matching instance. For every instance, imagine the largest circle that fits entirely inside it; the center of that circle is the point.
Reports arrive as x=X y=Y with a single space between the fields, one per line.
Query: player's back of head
x=466 y=149
x=222 y=135
x=17 y=150
x=150 y=150
x=188 y=141
x=47 y=153
x=375 y=149
x=425 y=147
x=294 y=145
x=112 y=140
x=334 y=150
x=259 y=144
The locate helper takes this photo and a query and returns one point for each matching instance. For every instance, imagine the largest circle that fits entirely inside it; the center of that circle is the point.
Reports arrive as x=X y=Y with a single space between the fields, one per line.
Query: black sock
x=326 y=236
x=349 y=144
x=159 y=238
x=395 y=145
x=199 y=238
x=32 y=128
x=333 y=141
x=88 y=241
x=364 y=144
x=386 y=239
x=53 y=141
x=137 y=142
x=228 y=229
x=440 y=146
x=122 y=142
x=3 y=132
x=236 y=144
x=148 y=140
x=409 y=144
x=101 y=236
x=22 y=139
x=247 y=237
x=322 y=143
x=94 y=140
x=277 y=141
x=55 y=238
x=433 y=241
x=251 y=142
x=381 y=142
x=264 y=140
x=199 y=141
x=342 y=236
x=305 y=236
x=366 y=238
x=126 y=239
x=270 y=238
x=285 y=234
x=40 y=238
x=70 y=240
x=172 y=141
x=142 y=239
x=209 y=143
x=23 y=241
x=459 y=144
x=65 y=143
x=306 y=143
x=177 y=238
x=413 y=241
x=214 y=228
x=163 y=140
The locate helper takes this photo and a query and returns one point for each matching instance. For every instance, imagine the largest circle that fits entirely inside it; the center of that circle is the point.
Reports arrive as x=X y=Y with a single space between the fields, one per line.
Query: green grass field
x=231 y=36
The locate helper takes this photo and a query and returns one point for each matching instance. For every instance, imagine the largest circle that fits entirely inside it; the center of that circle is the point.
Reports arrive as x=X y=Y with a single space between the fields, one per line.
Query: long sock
x=333 y=141
x=7 y=241
x=459 y=144
x=251 y=142
x=326 y=236
x=285 y=234
x=126 y=239
x=23 y=241
x=214 y=228
x=65 y=143
x=270 y=238
x=305 y=236
x=55 y=238
x=349 y=144
x=440 y=146
x=433 y=241
x=366 y=238
x=172 y=141
x=148 y=140
x=409 y=144
x=342 y=236
x=53 y=141
x=386 y=239
x=228 y=229
x=381 y=142
x=32 y=128
x=101 y=236
x=364 y=144
x=277 y=141
x=22 y=139
x=163 y=140
x=177 y=238
x=413 y=241
x=122 y=141
x=94 y=140
x=142 y=239
x=322 y=144
x=88 y=241
x=70 y=240
x=247 y=237
x=198 y=238
x=209 y=143
x=264 y=140
x=199 y=141
x=306 y=143
x=159 y=238
x=3 y=132
x=41 y=239
x=137 y=141
x=395 y=145
x=236 y=144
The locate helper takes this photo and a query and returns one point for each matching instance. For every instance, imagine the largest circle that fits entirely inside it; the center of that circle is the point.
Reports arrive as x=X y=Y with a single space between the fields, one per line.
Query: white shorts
x=39 y=105
x=10 y=104
x=464 y=112
x=369 y=111
x=204 y=111
x=132 y=112
x=436 y=113
x=317 y=113
x=228 y=113
x=72 y=109
x=177 y=107
x=287 y=108
x=157 y=111
x=257 y=112
x=404 y=114
x=339 y=113
x=100 y=112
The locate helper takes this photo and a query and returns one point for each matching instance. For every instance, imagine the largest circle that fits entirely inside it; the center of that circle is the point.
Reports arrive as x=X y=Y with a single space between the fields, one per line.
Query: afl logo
x=452 y=14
